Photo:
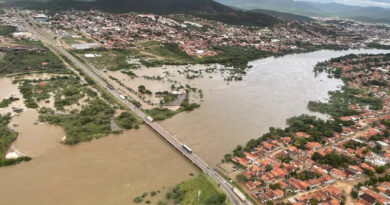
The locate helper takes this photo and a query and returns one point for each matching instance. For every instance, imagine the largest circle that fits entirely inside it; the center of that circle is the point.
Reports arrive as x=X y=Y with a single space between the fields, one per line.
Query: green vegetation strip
x=93 y=121
x=7 y=30
x=7 y=136
x=197 y=191
x=164 y=113
x=126 y=121
x=6 y=102
x=37 y=58
x=115 y=59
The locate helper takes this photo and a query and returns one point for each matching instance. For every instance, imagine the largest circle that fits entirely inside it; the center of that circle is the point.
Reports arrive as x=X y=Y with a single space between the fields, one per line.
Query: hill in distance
x=313 y=9
x=283 y=15
x=203 y=8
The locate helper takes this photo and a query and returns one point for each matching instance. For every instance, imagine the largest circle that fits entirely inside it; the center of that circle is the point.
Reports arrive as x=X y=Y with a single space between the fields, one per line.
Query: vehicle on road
x=150 y=119
x=186 y=148
x=122 y=97
x=239 y=194
x=110 y=87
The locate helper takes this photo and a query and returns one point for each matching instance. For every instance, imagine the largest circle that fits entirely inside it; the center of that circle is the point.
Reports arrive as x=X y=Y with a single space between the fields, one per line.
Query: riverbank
x=197 y=190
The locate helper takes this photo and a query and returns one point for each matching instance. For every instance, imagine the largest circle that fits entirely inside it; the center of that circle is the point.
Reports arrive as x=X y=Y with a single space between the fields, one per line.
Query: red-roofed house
x=338 y=174
x=249 y=156
x=312 y=145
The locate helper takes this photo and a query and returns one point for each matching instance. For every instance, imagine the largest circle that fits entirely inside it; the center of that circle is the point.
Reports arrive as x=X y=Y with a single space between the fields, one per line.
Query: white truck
x=238 y=193
x=187 y=149
x=150 y=119
x=122 y=97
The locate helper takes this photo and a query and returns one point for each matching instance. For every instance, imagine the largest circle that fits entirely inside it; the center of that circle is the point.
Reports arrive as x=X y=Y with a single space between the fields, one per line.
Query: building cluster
x=279 y=169
x=369 y=196
x=199 y=37
x=7 y=43
x=10 y=18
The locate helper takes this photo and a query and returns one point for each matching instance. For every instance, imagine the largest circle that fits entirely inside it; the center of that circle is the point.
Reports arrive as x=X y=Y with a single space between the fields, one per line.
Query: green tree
x=268 y=168
x=354 y=194
x=241 y=178
x=217 y=199
x=274 y=186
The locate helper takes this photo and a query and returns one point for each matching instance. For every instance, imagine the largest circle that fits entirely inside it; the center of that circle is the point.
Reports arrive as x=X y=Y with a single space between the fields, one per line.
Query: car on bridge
x=150 y=119
x=186 y=148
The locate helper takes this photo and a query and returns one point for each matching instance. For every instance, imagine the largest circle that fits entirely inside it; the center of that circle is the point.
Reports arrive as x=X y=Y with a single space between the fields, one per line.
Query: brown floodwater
x=117 y=168
x=274 y=90
x=35 y=138
x=7 y=90
x=111 y=170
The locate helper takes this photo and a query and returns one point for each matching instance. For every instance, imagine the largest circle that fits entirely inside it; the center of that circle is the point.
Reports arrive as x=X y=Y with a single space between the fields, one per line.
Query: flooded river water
x=111 y=170
x=115 y=169
x=272 y=91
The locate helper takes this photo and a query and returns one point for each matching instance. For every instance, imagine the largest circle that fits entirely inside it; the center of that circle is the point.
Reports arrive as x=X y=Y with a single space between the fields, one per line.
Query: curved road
x=91 y=71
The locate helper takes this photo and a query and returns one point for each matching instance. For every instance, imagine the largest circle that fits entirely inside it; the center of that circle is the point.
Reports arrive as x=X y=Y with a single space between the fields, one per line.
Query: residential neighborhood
x=300 y=168
x=200 y=37
x=148 y=67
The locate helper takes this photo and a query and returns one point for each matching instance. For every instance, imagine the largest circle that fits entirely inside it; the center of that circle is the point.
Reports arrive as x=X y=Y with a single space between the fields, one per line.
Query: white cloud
x=378 y=3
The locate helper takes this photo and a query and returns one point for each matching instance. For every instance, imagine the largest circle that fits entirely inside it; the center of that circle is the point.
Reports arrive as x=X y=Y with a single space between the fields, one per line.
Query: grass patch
x=378 y=46
x=187 y=106
x=236 y=57
x=160 y=113
x=67 y=91
x=71 y=40
x=7 y=136
x=29 y=43
x=172 y=54
x=26 y=61
x=187 y=192
x=164 y=113
x=7 y=31
x=166 y=96
x=149 y=44
x=6 y=102
x=126 y=121
x=113 y=60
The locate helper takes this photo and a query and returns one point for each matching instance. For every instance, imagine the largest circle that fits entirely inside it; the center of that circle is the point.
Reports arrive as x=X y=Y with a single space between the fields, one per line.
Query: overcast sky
x=379 y=3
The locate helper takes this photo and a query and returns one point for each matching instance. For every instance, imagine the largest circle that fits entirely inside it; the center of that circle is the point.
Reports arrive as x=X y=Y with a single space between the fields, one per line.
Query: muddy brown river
x=274 y=90
x=115 y=169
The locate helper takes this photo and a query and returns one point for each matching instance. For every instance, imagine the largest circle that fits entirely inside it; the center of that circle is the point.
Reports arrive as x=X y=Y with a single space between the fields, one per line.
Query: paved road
x=91 y=71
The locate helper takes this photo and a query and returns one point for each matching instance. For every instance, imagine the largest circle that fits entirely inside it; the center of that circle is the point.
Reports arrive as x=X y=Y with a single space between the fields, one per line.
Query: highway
x=92 y=72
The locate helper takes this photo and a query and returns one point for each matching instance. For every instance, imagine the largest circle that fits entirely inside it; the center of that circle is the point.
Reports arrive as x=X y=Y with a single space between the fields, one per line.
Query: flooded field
x=7 y=90
x=159 y=79
x=117 y=168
